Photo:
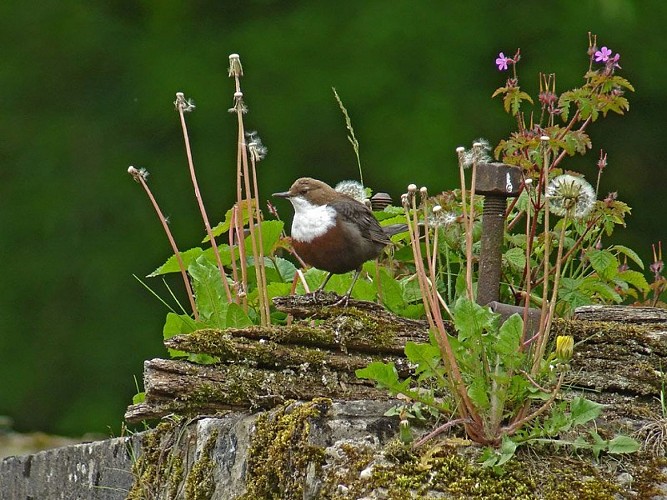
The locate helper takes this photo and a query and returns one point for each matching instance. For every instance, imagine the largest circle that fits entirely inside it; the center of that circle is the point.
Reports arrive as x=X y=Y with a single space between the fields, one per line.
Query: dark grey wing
x=359 y=214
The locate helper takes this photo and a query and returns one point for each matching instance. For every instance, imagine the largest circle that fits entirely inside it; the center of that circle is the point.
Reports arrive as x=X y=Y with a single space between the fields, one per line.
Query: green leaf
x=284 y=267
x=516 y=258
x=224 y=226
x=634 y=278
x=477 y=392
x=509 y=338
x=384 y=374
x=623 y=444
x=604 y=262
x=629 y=252
x=209 y=292
x=171 y=266
x=583 y=410
x=471 y=319
x=271 y=231
x=237 y=317
x=138 y=398
x=392 y=293
x=177 y=324
x=426 y=357
x=507 y=449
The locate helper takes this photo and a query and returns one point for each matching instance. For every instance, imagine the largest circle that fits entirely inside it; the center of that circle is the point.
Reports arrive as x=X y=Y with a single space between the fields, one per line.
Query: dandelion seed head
x=138 y=174
x=570 y=195
x=412 y=188
x=354 y=189
x=235 y=68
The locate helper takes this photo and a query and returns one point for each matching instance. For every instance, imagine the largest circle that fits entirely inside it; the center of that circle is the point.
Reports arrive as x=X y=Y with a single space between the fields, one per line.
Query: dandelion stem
x=181 y=105
x=139 y=176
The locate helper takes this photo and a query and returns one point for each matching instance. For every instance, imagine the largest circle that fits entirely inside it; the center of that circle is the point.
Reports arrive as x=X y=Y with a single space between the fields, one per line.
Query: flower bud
x=564 y=348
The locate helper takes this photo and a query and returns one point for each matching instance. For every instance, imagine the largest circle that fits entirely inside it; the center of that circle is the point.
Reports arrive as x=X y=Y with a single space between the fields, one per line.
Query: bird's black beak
x=284 y=194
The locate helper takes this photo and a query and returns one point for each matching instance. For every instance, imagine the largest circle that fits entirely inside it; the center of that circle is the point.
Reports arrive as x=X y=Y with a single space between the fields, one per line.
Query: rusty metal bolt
x=497 y=182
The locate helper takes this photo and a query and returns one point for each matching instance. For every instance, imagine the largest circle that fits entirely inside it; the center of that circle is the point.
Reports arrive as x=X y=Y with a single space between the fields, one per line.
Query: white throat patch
x=311 y=221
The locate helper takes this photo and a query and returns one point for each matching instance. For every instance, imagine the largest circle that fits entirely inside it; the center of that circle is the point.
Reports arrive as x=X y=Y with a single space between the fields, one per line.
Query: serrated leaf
x=224 y=226
x=426 y=357
x=629 y=252
x=509 y=338
x=471 y=319
x=477 y=392
x=604 y=262
x=634 y=278
x=516 y=257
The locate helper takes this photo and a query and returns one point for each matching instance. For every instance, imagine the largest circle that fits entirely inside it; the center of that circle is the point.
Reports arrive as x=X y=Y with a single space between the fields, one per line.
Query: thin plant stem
x=182 y=105
x=243 y=172
x=140 y=177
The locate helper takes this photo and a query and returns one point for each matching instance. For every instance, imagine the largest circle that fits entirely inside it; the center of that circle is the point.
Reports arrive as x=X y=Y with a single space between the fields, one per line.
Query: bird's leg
x=346 y=298
x=320 y=289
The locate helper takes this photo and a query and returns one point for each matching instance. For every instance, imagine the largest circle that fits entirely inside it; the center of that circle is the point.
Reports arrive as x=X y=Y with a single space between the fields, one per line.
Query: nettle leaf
x=570 y=292
x=583 y=410
x=209 y=292
x=635 y=279
x=593 y=286
x=604 y=262
x=171 y=266
x=516 y=257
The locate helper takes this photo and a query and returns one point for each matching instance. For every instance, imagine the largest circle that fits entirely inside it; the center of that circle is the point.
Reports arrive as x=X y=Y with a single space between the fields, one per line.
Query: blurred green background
x=87 y=90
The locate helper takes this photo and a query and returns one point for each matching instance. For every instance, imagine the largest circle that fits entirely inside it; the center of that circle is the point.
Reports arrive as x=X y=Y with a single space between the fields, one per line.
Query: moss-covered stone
x=200 y=483
x=280 y=454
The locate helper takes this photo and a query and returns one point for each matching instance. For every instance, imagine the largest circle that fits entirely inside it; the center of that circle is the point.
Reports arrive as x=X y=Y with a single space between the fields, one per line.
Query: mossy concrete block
x=99 y=470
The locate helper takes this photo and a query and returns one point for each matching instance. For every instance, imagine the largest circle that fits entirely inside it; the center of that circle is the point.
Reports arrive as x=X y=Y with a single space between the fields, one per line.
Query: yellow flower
x=564 y=348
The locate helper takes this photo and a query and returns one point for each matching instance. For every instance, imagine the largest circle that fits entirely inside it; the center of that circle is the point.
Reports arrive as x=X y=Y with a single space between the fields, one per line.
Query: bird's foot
x=343 y=301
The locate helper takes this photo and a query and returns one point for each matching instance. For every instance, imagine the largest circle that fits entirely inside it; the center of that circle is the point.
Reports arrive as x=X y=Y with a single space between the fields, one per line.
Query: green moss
x=281 y=453
x=160 y=465
x=199 y=484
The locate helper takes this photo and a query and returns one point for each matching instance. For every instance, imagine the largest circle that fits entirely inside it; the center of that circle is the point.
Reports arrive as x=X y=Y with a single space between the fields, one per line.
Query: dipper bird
x=333 y=231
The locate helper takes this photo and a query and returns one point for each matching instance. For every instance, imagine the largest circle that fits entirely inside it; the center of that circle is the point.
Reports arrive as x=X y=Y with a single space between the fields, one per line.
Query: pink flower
x=502 y=61
x=603 y=54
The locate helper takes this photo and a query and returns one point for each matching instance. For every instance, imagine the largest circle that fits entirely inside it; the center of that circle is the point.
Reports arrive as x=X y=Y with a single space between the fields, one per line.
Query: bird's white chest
x=311 y=221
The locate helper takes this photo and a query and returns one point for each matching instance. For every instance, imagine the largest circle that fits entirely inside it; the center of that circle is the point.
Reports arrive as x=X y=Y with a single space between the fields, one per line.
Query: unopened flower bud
x=412 y=188
x=564 y=348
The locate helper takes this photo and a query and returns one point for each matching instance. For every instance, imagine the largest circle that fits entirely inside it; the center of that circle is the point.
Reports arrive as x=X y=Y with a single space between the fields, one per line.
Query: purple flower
x=603 y=54
x=502 y=61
